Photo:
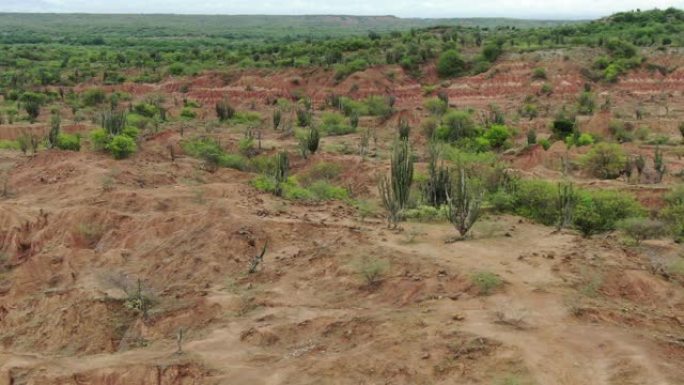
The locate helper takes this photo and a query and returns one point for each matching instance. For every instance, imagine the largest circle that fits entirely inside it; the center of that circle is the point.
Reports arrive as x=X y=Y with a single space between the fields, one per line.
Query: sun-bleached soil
x=82 y=234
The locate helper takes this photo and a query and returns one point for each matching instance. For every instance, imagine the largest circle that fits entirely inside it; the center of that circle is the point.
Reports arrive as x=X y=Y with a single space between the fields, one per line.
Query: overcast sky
x=403 y=8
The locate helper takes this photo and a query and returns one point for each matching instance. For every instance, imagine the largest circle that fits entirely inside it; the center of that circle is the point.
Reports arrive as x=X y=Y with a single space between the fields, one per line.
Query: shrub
x=145 y=109
x=539 y=74
x=531 y=137
x=334 y=124
x=188 y=113
x=640 y=229
x=486 y=282
x=372 y=270
x=537 y=200
x=9 y=144
x=424 y=213
x=619 y=131
x=121 y=146
x=599 y=211
x=99 y=139
x=323 y=190
x=378 y=106
x=224 y=110
x=605 y=161
x=545 y=143
x=491 y=52
x=563 y=126
x=586 y=103
x=450 y=64
x=497 y=135
x=68 y=142
x=322 y=171
x=93 y=97
x=673 y=212
x=456 y=125
x=212 y=154
x=436 y=106
x=176 y=69
x=584 y=139
x=620 y=49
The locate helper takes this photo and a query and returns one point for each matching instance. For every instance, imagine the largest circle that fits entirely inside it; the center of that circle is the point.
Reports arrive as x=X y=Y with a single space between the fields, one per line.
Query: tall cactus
x=463 y=204
x=55 y=122
x=113 y=122
x=404 y=129
x=438 y=185
x=402 y=172
x=566 y=204
x=396 y=189
x=281 y=171
x=659 y=163
x=313 y=140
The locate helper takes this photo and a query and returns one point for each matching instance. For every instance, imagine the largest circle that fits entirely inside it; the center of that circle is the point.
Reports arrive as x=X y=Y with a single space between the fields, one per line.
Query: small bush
x=450 y=64
x=456 y=125
x=640 y=229
x=424 y=213
x=334 y=124
x=372 y=270
x=605 y=161
x=539 y=74
x=99 y=139
x=188 y=113
x=600 y=211
x=93 y=97
x=436 y=106
x=9 y=145
x=545 y=143
x=497 y=135
x=121 y=146
x=68 y=142
x=486 y=282
x=673 y=212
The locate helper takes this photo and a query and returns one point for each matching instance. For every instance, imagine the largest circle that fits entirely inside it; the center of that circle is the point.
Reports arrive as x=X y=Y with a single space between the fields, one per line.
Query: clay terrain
x=136 y=271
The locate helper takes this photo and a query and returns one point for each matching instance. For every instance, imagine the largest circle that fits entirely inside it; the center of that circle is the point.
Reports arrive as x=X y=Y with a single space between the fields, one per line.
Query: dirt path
x=557 y=349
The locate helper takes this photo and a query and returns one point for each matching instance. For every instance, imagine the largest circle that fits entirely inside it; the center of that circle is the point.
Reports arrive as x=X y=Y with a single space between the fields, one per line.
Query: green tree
x=450 y=64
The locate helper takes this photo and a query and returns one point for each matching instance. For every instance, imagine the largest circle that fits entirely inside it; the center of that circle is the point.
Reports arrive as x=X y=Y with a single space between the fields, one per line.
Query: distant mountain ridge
x=166 y=25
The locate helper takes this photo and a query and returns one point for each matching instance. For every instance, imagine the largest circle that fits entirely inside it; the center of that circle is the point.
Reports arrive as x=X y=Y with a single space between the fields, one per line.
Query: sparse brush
x=486 y=282
x=531 y=137
x=372 y=270
x=257 y=260
x=640 y=229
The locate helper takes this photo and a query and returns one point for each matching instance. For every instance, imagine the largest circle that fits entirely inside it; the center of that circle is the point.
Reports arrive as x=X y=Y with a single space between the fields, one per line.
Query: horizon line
x=530 y=18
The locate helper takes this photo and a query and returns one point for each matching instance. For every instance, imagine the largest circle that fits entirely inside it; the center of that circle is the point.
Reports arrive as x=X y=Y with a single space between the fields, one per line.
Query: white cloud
x=403 y=8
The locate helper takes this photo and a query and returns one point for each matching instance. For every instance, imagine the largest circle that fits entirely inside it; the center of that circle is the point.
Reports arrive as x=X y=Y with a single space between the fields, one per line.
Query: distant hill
x=50 y=26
